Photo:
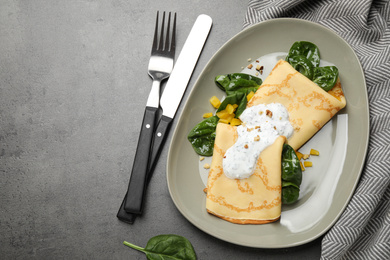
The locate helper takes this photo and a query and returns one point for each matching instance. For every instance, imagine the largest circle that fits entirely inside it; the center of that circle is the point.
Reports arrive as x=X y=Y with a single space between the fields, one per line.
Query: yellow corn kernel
x=207 y=115
x=302 y=168
x=235 y=122
x=299 y=155
x=215 y=102
x=308 y=164
x=225 y=121
x=223 y=114
x=230 y=117
x=230 y=109
x=314 y=152
x=250 y=95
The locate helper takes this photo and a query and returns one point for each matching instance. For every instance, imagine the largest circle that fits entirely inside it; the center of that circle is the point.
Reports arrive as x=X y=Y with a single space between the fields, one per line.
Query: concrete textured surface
x=73 y=86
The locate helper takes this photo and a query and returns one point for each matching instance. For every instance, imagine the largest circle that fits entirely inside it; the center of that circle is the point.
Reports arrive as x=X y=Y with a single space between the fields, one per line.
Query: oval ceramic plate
x=328 y=195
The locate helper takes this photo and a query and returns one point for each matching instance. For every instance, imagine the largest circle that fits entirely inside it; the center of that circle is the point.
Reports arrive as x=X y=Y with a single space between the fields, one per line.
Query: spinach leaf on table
x=202 y=136
x=167 y=247
x=291 y=175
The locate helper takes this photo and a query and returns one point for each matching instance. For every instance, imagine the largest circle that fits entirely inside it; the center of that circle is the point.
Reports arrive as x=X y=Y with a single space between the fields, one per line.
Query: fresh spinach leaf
x=305 y=58
x=291 y=169
x=167 y=247
x=238 y=82
x=236 y=86
x=307 y=49
x=290 y=192
x=202 y=136
x=291 y=175
x=236 y=98
x=302 y=64
x=326 y=77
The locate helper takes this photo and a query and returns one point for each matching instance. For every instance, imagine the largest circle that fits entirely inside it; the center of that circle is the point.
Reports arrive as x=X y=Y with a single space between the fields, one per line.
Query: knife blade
x=184 y=66
x=169 y=102
x=178 y=81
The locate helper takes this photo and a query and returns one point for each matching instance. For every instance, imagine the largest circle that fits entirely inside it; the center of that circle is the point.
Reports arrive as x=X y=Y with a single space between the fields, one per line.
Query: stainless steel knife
x=169 y=102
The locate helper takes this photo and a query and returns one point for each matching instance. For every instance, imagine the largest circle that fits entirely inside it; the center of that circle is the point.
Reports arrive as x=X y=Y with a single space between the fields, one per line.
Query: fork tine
x=166 y=45
x=173 y=40
x=161 y=43
x=154 y=47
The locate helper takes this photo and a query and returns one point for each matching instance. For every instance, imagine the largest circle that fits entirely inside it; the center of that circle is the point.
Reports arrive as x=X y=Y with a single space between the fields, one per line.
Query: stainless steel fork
x=160 y=67
x=161 y=60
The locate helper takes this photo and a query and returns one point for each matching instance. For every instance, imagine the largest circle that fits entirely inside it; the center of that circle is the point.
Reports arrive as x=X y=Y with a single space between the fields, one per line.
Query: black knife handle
x=137 y=183
x=123 y=215
x=160 y=136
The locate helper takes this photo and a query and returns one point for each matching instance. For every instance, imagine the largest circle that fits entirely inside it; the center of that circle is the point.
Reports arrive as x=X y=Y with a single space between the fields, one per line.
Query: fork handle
x=137 y=184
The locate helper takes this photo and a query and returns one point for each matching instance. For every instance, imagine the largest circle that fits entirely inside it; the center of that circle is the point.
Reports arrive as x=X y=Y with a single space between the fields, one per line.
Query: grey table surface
x=73 y=86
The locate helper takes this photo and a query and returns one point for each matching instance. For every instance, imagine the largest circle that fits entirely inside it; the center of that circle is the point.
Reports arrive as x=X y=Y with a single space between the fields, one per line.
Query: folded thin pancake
x=254 y=200
x=257 y=199
x=309 y=106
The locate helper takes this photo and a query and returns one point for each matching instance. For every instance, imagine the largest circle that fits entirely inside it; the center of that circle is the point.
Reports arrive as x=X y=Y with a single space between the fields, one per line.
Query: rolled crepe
x=308 y=105
x=257 y=199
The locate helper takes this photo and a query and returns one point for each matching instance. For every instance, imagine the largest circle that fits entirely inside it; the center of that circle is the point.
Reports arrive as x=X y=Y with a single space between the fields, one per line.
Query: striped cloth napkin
x=363 y=230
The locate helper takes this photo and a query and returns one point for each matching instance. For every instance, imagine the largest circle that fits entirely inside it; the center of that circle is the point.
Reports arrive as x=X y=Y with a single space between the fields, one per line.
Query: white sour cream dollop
x=262 y=124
